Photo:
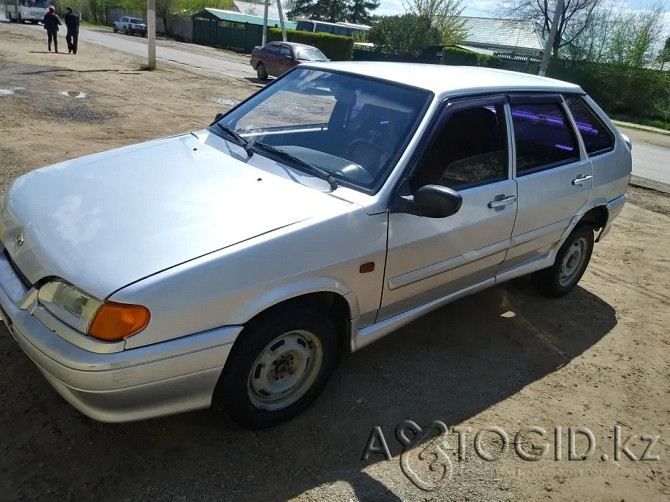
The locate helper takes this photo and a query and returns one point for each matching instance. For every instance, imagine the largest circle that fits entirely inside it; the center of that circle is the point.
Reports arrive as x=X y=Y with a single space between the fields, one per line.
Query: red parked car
x=277 y=58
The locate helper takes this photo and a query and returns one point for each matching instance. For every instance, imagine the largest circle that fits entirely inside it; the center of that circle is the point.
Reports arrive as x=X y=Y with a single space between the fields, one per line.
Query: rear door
x=553 y=175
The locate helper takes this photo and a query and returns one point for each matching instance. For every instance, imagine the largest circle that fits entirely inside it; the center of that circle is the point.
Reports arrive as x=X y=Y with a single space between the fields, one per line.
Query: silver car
x=130 y=26
x=232 y=266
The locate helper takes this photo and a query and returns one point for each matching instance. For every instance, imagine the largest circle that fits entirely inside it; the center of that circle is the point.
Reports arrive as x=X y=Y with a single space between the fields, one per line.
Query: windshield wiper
x=236 y=136
x=310 y=168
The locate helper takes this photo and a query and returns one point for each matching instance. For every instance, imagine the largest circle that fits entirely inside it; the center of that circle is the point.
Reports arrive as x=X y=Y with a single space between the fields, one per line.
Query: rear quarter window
x=596 y=135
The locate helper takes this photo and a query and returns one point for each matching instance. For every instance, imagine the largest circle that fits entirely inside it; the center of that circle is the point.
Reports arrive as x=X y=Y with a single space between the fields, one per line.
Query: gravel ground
x=597 y=358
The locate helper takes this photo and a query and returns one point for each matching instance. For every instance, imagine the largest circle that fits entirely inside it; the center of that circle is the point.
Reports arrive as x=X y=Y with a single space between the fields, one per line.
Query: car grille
x=18 y=272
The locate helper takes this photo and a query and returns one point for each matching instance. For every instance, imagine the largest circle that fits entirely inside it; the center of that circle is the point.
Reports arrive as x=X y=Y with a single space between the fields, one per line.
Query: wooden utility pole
x=151 y=34
x=264 y=38
x=550 y=39
x=281 y=21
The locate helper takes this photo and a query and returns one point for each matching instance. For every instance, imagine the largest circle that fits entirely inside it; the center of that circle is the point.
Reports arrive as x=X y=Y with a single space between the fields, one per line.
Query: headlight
x=88 y=315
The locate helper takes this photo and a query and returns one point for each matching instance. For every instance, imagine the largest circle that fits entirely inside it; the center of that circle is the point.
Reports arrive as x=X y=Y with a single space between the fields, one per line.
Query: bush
x=617 y=89
x=335 y=47
x=463 y=57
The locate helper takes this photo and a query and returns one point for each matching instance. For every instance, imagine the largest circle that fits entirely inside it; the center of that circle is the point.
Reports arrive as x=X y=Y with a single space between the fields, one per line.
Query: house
x=231 y=29
x=507 y=38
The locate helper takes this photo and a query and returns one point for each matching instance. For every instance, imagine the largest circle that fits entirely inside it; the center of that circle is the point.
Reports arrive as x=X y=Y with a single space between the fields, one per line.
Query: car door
x=271 y=59
x=285 y=61
x=554 y=177
x=429 y=258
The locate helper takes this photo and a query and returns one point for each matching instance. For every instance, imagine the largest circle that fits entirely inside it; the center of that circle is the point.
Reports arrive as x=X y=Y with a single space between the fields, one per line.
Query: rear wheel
x=260 y=71
x=571 y=261
x=277 y=368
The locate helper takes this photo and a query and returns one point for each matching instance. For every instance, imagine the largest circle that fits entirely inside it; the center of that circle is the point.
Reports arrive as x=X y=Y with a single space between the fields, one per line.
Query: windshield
x=353 y=128
x=309 y=54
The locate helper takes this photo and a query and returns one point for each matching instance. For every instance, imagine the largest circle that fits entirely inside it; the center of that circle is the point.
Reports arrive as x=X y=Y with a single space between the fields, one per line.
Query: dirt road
x=596 y=359
x=188 y=56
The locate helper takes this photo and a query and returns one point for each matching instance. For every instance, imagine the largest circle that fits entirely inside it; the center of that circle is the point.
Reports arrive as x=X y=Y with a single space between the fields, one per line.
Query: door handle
x=504 y=201
x=580 y=179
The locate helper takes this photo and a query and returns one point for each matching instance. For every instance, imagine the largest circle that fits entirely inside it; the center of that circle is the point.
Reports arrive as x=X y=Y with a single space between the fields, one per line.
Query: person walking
x=72 y=25
x=51 y=24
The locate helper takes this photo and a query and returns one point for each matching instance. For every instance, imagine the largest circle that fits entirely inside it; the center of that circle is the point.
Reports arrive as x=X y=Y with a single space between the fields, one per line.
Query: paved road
x=651 y=155
x=194 y=56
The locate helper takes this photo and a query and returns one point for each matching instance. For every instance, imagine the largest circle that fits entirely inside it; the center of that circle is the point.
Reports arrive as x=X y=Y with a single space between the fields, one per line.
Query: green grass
x=661 y=124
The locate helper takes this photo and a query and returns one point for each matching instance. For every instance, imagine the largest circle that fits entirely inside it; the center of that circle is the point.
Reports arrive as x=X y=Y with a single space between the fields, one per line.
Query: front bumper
x=151 y=381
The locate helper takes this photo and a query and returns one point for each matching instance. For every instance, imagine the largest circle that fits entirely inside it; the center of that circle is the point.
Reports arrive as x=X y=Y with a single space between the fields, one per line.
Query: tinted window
x=470 y=149
x=543 y=137
x=272 y=48
x=284 y=51
x=597 y=137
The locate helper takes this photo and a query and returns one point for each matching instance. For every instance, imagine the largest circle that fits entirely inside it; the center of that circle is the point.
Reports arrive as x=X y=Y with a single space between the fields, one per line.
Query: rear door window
x=596 y=135
x=543 y=137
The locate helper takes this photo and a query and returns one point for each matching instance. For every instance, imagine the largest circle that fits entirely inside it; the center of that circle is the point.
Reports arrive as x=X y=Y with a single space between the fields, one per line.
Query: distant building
x=503 y=37
x=256 y=9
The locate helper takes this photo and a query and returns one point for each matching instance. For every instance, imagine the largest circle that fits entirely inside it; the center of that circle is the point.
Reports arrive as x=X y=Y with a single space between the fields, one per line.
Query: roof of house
x=509 y=33
x=236 y=17
x=256 y=9
x=450 y=80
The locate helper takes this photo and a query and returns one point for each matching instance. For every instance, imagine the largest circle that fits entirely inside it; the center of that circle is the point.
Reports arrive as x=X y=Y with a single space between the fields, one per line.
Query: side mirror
x=218 y=116
x=431 y=201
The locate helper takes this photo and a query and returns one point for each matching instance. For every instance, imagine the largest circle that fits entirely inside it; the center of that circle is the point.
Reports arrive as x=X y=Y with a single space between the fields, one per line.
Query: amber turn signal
x=115 y=321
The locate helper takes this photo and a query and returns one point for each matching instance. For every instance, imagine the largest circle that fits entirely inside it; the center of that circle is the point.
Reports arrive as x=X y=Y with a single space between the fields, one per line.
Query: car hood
x=104 y=221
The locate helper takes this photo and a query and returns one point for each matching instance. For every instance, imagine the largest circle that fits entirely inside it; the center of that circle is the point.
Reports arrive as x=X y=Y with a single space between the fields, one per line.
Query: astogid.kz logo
x=426 y=457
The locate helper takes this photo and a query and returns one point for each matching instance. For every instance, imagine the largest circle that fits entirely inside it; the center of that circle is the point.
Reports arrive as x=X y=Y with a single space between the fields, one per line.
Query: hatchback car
x=130 y=26
x=276 y=58
x=232 y=266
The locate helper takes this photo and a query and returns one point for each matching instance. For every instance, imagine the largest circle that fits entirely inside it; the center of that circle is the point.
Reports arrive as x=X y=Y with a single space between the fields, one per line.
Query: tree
x=634 y=38
x=407 y=34
x=445 y=15
x=331 y=11
x=589 y=41
x=360 y=11
x=664 y=54
x=574 y=19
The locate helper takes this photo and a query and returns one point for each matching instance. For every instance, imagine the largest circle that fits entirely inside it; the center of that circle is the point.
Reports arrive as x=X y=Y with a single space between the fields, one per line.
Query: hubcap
x=284 y=370
x=572 y=262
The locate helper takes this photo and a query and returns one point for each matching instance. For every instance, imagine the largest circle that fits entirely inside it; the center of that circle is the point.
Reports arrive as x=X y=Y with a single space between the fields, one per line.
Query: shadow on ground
x=449 y=365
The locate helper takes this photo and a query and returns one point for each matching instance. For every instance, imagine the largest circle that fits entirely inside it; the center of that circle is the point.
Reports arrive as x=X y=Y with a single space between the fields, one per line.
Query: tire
x=125 y=30
x=114 y=28
x=33 y=22
x=260 y=72
x=571 y=261
x=295 y=352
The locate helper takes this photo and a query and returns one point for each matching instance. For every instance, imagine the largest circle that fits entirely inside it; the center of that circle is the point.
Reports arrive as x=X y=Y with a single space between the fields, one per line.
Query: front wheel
x=571 y=261
x=277 y=368
x=125 y=30
x=260 y=71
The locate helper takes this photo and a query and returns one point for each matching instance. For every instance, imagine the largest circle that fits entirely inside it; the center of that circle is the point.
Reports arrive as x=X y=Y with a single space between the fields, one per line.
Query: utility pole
x=281 y=21
x=550 y=39
x=151 y=33
x=264 y=38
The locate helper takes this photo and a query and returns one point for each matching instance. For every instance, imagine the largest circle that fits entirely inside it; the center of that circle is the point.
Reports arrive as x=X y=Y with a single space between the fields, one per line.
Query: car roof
x=295 y=44
x=442 y=79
